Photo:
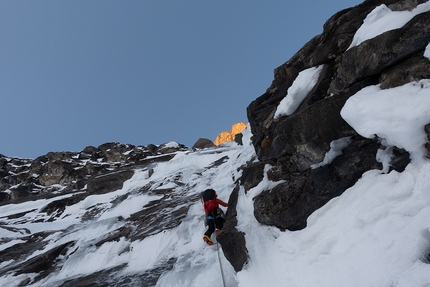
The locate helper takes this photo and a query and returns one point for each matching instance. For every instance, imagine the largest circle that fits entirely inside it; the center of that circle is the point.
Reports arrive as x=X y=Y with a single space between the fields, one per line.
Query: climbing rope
x=219 y=257
x=220 y=265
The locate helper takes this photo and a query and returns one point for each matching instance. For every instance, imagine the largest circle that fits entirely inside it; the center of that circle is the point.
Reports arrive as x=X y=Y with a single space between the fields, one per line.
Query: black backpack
x=208 y=194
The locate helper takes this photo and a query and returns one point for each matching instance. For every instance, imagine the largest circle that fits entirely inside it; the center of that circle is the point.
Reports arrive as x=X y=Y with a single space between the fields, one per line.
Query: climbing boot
x=217 y=231
x=208 y=240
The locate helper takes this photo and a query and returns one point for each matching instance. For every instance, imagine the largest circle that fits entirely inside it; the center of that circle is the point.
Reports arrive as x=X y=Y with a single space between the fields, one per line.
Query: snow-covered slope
x=149 y=232
x=88 y=226
x=375 y=234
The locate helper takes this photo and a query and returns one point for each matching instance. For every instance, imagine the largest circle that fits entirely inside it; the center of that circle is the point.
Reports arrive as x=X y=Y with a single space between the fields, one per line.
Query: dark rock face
x=231 y=240
x=294 y=144
x=109 y=181
x=203 y=143
x=412 y=69
x=375 y=55
x=289 y=204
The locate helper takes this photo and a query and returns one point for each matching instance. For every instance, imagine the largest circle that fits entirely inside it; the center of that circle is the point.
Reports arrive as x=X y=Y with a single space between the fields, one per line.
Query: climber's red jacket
x=212 y=205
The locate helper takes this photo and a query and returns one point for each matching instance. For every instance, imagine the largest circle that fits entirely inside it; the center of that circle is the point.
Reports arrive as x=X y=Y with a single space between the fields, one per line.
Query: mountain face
x=124 y=215
x=293 y=143
x=66 y=172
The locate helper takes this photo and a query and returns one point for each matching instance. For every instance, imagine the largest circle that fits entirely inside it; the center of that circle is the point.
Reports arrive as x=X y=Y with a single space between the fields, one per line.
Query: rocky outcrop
x=94 y=169
x=289 y=204
x=232 y=240
x=373 y=57
x=295 y=145
x=202 y=143
x=229 y=136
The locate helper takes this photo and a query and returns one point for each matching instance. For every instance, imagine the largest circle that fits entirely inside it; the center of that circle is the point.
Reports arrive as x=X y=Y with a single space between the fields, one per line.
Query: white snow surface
x=397 y=115
x=383 y=19
x=298 y=91
x=376 y=233
x=427 y=52
x=336 y=148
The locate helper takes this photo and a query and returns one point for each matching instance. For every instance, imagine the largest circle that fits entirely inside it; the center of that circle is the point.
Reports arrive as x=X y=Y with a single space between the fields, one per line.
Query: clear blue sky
x=79 y=73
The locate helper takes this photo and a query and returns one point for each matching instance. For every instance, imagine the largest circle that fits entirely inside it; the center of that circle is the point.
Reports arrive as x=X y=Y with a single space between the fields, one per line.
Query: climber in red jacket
x=214 y=214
